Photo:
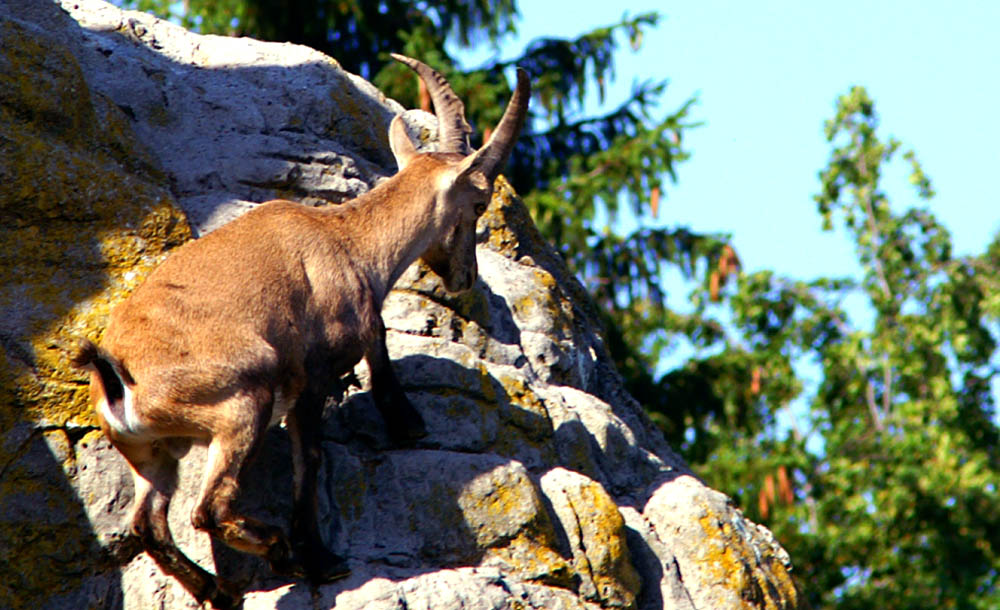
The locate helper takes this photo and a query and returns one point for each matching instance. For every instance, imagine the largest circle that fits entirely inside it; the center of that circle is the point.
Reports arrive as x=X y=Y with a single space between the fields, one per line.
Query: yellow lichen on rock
x=529 y=413
x=83 y=217
x=533 y=559
x=510 y=228
x=722 y=562
x=607 y=552
x=42 y=83
x=504 y=511
x=597 y=537
x=66 y=265
x=737 y=563
x=732 y=561
x=80 y=228
x=499 y=504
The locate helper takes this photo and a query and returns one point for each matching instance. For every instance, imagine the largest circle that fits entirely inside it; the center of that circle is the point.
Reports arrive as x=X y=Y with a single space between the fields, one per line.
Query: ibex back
x=259 y=320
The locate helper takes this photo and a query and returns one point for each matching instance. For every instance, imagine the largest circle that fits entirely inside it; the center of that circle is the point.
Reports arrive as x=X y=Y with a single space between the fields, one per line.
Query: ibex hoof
x=282 y=562
x=406 y=425
x=223 y=597
x=323 y=567
x=320 y=565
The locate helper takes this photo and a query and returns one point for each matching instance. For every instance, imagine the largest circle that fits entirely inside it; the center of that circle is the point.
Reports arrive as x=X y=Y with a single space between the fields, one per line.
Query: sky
x=766 y=76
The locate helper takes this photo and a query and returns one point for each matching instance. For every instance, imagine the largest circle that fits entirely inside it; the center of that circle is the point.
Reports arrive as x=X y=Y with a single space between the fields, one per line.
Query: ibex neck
x=390 y=227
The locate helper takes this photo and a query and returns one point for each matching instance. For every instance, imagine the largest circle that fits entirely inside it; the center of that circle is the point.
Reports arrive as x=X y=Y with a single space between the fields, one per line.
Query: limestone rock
x=737 y=562
x=541 y=483
x=595 y=531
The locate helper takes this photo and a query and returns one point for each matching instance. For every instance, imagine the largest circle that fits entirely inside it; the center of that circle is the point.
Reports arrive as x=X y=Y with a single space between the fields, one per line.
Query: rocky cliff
x=541 y=484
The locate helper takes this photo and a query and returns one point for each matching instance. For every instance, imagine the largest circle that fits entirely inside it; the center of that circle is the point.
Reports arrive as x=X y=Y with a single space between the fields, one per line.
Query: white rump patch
x=132 y=426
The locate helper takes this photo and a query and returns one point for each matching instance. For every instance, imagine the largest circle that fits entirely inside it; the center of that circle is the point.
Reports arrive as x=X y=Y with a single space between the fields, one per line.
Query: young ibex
x=260 y=318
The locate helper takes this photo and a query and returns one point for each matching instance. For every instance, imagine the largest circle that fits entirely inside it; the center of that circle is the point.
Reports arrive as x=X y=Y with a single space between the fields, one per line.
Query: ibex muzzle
x=259 y=319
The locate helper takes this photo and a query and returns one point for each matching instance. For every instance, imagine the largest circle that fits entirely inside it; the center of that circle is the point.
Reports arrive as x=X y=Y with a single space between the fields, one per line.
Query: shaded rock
x=85 y=214
x=541 y=484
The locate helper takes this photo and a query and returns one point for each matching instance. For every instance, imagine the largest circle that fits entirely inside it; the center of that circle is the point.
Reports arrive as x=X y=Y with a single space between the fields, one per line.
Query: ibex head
x=465 y=190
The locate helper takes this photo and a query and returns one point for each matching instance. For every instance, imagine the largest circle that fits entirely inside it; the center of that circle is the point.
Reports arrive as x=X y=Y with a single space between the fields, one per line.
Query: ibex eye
x=480 y=209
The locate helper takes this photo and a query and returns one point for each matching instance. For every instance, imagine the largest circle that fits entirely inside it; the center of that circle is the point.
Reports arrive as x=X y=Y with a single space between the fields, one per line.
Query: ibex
x=259 y=319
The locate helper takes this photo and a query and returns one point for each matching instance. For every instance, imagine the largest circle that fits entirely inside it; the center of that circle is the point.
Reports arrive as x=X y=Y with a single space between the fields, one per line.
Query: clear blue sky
x=767 y=74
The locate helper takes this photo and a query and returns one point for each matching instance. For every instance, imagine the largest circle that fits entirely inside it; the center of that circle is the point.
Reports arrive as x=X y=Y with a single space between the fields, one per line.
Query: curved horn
x=453 y=130
x=493 y=155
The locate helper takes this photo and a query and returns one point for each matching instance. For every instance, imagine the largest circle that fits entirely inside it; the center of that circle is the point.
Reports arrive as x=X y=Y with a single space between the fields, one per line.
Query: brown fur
x=263 y=316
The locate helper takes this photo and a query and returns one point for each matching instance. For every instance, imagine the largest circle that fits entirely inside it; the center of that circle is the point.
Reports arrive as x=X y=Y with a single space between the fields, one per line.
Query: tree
x=896 y=504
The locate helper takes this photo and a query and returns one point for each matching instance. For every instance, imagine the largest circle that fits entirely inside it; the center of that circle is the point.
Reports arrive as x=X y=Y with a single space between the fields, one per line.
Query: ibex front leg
x=402 y=421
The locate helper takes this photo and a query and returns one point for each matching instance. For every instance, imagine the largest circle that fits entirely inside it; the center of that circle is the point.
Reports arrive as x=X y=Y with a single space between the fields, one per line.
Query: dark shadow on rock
x=50 y=556
x=501 y=326
x=649 y=566
x=447 y=394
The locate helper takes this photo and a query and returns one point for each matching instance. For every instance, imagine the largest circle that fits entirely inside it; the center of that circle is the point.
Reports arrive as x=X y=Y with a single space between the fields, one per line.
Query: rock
x=736 y=561
x=541 y=484
x=595 y=531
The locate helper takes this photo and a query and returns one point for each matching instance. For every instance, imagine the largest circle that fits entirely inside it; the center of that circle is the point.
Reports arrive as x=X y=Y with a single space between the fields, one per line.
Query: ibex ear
x=468 y=165
x=471 y=169
x=400 y=143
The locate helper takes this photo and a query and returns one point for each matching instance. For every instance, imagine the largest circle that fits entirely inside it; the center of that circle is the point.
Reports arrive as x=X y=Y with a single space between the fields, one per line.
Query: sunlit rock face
x=541 y=483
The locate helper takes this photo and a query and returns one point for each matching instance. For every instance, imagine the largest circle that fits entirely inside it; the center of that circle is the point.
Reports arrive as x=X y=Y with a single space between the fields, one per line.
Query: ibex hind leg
x=238 y=432
x=154 y=473
x=304 y=428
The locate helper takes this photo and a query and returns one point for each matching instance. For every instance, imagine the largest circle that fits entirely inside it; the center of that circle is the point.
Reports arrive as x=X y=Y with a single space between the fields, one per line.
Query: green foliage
x=899 y=505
